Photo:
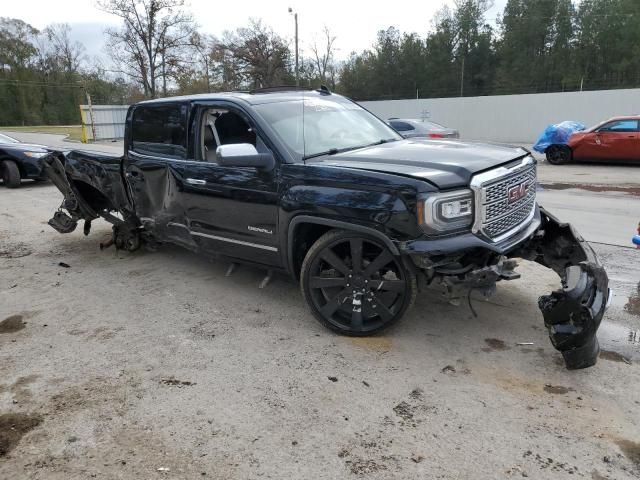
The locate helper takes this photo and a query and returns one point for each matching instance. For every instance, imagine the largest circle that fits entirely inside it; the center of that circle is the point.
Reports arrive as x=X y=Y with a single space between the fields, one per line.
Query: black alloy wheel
x=558 y=154
x=354 y=285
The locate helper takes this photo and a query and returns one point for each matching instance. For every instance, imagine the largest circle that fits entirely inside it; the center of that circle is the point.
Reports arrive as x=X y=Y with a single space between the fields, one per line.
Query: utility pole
x=462 y=79
x=295 y=18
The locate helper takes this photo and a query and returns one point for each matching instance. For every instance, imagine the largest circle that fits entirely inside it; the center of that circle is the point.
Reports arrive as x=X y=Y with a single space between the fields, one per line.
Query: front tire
x=558 y=154
x=354 y=285
x=10 y=174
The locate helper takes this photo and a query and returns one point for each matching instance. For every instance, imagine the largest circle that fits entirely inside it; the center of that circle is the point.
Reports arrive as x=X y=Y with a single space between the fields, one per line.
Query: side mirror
x=243 y=155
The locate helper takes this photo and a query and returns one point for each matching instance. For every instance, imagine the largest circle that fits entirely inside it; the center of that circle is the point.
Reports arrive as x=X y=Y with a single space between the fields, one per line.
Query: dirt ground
x=155 y=365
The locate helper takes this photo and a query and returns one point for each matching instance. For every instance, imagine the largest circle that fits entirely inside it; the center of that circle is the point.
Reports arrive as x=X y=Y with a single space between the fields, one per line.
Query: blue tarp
x=557 y=134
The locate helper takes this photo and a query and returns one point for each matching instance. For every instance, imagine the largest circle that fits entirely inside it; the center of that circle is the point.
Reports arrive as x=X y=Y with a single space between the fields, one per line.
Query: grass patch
x=73 y=131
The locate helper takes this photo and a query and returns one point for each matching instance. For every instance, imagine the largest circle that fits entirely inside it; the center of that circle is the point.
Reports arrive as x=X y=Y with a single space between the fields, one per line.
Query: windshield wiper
x=333 y=151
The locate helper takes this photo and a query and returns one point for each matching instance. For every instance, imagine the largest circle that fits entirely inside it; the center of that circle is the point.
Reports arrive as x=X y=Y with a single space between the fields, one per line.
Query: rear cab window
x=160 y=130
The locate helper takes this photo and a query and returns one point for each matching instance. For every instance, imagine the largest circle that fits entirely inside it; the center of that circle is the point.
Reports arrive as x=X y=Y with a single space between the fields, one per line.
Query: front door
x=232 y=211
x=616 y=140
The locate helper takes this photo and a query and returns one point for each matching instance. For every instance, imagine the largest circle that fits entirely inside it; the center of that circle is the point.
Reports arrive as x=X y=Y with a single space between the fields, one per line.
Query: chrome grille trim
x=495 y=218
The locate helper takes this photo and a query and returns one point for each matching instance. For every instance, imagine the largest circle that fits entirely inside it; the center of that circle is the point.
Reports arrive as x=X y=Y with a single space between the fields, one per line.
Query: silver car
x=412 y=127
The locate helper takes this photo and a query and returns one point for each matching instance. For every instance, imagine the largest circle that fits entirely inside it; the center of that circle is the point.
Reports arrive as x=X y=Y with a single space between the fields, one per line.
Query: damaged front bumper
x=572 y=314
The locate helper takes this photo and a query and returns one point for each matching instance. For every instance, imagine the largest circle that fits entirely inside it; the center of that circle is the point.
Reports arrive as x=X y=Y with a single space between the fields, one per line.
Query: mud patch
x=495 y=344
x=12 y=324
x=174 y=382
x=361 y=466
x=404 y=411
x=374 y=344
x=631 y=450
x=557 y=389
x=13 y=426
x=614 y=356
x=634 y=191
x=633 y=305
x=19 y=389
x=14 y=250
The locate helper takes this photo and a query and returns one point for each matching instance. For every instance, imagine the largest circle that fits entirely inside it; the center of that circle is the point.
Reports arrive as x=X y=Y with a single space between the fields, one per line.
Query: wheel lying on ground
x=354 y=285
x=558 y=154
x=10 y=174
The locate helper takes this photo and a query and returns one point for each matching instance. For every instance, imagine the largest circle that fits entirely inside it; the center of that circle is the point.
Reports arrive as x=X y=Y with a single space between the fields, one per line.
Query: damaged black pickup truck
x=312 y=184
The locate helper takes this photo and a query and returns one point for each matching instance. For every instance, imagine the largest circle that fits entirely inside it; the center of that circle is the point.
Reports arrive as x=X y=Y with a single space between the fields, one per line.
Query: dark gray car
x=412 y=127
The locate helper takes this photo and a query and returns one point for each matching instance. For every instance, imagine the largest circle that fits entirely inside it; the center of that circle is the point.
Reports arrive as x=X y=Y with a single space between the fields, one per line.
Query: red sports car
x=617 y=139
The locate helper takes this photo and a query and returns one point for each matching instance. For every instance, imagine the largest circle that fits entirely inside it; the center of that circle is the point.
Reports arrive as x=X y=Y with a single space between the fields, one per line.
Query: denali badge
x=517 y=192
x=261 y=230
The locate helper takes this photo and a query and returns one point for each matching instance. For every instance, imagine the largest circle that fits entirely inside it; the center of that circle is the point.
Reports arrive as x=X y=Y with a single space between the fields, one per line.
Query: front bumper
x=571 y=314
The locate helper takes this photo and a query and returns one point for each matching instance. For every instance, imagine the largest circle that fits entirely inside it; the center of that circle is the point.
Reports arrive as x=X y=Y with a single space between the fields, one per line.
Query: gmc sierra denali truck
x=312 y=184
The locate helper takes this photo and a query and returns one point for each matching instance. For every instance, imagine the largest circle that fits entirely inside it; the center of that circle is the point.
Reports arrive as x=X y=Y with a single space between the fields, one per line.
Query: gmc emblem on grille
x=517 y=192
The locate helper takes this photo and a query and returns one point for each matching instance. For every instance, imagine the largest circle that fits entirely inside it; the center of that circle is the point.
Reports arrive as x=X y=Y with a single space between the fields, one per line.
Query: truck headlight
x=35 y=154
x=444 y=212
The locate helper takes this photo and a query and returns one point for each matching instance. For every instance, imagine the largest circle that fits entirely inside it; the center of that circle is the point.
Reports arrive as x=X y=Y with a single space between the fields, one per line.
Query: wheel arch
x=314 y=228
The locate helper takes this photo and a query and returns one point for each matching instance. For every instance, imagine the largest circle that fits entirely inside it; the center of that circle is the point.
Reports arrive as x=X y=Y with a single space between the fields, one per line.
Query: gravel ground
x=156 y=365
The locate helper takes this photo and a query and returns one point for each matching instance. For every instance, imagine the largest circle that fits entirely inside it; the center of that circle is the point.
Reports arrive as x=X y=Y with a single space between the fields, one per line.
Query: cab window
x=160 y=130
x=223 y=126
x=621 y=126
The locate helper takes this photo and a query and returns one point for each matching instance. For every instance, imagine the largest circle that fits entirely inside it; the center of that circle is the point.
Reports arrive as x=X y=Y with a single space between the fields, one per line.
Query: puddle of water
x=619 y=339
x=12 y=324
x=13 y=426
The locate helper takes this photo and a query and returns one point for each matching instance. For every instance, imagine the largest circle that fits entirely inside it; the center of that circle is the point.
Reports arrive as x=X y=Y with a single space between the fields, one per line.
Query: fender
x=300 y=219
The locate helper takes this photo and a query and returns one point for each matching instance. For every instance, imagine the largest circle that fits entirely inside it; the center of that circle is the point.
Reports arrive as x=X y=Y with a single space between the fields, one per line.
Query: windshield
x=7 y=139
x=330 y=126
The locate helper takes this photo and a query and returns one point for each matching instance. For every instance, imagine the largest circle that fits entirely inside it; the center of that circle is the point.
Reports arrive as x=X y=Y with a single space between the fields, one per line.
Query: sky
x=354 y=23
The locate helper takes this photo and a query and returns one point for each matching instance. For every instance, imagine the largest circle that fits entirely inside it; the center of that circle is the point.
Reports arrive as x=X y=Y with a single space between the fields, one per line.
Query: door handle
x=195 y=181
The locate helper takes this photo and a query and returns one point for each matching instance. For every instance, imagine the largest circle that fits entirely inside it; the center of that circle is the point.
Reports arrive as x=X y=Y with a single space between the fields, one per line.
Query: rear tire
x=10 y=174
x=558 y=154
x=354 y=285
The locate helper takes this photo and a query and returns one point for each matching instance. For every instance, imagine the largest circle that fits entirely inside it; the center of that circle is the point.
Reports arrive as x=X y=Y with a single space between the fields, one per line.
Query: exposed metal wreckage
x=572 y=314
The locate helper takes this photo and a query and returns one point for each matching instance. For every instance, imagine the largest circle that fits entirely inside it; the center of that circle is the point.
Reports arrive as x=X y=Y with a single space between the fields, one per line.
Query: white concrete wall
x=513 y=118
x=108 y=121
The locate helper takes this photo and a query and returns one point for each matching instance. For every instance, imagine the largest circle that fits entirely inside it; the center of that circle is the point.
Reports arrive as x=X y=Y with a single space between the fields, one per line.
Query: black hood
x=445 y=163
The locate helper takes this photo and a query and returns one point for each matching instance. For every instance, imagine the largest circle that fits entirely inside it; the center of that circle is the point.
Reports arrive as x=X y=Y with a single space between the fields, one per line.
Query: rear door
x=616 y=140
x=154 y=163
x=231 y=210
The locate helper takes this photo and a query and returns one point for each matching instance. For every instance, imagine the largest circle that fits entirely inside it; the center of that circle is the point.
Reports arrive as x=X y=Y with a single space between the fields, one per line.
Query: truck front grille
x=505 y=199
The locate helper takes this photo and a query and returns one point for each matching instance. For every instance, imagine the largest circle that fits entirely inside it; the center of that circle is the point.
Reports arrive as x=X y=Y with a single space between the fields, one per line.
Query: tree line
x=159 y=50
x=535 y=46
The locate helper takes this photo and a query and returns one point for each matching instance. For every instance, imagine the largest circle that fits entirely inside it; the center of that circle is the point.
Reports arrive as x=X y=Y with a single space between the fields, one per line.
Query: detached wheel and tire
x=558 y=154
x=10 y=174
x=354 y=285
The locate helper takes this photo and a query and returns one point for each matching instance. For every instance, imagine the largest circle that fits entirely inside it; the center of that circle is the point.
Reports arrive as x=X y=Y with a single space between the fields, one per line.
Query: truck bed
x=92 y=183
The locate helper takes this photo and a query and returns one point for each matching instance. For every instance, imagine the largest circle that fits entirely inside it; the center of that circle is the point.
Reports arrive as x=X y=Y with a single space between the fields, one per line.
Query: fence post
x=93 y=123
